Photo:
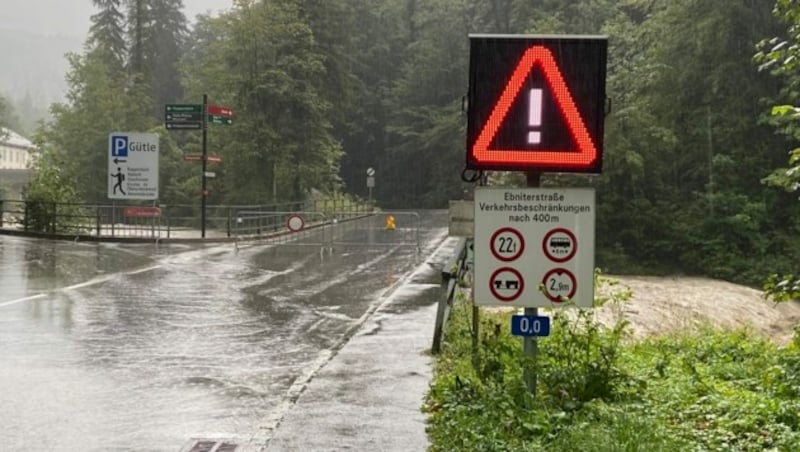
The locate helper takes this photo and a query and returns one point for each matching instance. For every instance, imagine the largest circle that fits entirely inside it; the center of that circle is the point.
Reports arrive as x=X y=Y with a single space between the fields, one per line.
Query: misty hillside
x=34 y=64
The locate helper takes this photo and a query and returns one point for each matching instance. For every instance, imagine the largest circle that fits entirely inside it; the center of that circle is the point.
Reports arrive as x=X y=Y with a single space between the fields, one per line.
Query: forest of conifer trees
x=325 y=89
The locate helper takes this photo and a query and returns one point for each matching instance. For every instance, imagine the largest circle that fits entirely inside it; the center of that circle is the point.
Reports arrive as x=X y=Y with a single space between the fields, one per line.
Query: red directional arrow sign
x=216 y=110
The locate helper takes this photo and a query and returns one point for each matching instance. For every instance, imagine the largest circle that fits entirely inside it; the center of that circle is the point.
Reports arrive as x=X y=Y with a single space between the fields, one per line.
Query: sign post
x=197 y=117
x=529 y=345
x=204 y=192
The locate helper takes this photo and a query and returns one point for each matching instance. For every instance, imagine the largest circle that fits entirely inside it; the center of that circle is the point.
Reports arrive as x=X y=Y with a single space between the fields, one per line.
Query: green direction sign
x=183 y=117
x=184 y=125
x=213 y=119
x=183 y=108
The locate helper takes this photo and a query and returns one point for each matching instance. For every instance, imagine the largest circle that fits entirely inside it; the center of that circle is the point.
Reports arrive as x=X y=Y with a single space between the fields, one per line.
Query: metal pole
x=529 y=344
x=204 y=193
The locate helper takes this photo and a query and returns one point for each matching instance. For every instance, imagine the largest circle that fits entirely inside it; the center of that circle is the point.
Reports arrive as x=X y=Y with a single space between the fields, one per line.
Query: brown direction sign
x=199 y=158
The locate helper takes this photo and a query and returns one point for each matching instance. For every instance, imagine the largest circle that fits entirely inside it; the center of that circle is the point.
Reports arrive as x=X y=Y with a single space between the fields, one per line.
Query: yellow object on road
x=390 y=223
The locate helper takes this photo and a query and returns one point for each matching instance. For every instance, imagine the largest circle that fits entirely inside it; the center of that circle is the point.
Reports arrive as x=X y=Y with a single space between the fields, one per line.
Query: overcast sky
x=71 y=17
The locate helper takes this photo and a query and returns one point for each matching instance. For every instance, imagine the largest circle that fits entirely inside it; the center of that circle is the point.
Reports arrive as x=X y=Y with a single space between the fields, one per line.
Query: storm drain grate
x=210 y=445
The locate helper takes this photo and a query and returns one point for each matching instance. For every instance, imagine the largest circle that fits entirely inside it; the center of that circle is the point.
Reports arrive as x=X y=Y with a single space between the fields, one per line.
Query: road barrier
x=404 y=229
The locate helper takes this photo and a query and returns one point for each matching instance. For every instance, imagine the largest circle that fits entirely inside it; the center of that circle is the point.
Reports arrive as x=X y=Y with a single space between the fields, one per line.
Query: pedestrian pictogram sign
x=536 y=103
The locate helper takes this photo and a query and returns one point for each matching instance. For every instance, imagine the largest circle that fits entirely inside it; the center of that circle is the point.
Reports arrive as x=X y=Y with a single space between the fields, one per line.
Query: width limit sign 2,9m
x=520 y=261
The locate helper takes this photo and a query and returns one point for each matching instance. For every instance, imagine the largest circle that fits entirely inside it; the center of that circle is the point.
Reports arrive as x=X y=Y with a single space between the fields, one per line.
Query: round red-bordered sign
x=560 y=245
x=556 y=282
x=295 y=223
x=507 y=244
x=506 y=284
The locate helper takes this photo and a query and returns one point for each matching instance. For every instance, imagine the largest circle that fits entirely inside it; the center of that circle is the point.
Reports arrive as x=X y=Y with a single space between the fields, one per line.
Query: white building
x=15 y=150
x=16 y=153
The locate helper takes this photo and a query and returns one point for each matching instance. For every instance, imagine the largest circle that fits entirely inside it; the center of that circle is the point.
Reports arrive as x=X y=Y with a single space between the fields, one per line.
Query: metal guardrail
x=452 y=273
x=115 y=220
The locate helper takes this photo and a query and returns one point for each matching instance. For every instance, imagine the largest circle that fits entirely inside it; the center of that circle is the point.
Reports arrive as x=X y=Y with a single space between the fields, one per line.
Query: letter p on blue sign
x=119 y=146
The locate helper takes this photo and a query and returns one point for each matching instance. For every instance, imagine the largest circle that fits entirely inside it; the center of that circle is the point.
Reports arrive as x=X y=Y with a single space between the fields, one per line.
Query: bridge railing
x=161 y=221
x=452 y=274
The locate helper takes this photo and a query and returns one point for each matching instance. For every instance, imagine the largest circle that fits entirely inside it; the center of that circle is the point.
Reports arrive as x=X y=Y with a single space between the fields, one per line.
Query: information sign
x=133 y=165
x=224 y=120
x=534 y=247
x=530 y=325
x=217 y=110
x=183 y=116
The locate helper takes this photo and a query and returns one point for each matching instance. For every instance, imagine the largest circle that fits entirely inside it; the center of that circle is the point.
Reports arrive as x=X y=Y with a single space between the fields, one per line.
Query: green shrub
x=600 y=391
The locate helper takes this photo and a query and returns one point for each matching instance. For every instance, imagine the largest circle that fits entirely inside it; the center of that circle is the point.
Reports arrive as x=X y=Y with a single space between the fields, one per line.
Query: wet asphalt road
x=138 y=347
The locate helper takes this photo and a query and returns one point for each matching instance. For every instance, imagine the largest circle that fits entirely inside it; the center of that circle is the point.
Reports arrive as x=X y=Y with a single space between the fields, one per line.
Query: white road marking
x=92 y=282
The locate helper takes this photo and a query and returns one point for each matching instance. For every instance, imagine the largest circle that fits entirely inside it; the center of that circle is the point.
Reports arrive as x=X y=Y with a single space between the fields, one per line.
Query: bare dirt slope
x=661 y=305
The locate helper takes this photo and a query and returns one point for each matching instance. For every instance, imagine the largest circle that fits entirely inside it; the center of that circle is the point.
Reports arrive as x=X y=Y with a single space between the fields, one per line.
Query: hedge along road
x=137 y=347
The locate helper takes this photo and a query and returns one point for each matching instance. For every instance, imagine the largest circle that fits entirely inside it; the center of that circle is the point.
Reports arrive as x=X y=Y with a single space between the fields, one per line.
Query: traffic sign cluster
x=190 y=116
x=534 y=261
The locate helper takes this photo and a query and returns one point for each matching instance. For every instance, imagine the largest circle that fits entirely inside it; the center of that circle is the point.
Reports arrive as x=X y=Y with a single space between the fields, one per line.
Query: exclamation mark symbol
x=535 y=115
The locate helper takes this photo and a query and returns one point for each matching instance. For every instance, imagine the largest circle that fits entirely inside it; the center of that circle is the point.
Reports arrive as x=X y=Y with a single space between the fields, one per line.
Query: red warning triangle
x=586 y=154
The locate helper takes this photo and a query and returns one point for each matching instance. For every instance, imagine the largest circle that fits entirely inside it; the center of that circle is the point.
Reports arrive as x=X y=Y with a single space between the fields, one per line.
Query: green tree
x=107 y=32
x=370 y=57
x=51 y=189
x=97 y=103
x=139 y=22
x=167 y=32
x=778 y=55
x=7 y=117
x=262 y=59
x=427 y=124
x=685 y=148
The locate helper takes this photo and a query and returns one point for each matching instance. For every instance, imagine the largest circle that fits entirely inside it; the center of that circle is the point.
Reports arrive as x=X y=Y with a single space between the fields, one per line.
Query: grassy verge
x=600 y=391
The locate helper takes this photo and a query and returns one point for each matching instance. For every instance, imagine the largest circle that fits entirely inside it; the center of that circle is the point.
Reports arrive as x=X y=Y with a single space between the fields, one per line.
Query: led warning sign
x=536 y=103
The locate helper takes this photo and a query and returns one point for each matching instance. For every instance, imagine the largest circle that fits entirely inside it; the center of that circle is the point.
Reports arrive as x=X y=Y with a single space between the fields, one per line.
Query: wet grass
x=600 y=391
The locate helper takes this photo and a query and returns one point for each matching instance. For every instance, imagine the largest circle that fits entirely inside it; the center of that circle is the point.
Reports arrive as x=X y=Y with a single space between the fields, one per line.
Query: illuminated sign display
x=536 y=103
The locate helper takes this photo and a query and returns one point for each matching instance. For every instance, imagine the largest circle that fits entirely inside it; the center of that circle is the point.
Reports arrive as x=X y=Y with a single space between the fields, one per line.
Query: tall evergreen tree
x=107 y=32
x=157 y=31
x=138 y=31
x=6 y=114
x=168 y=33
x=262 y=59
